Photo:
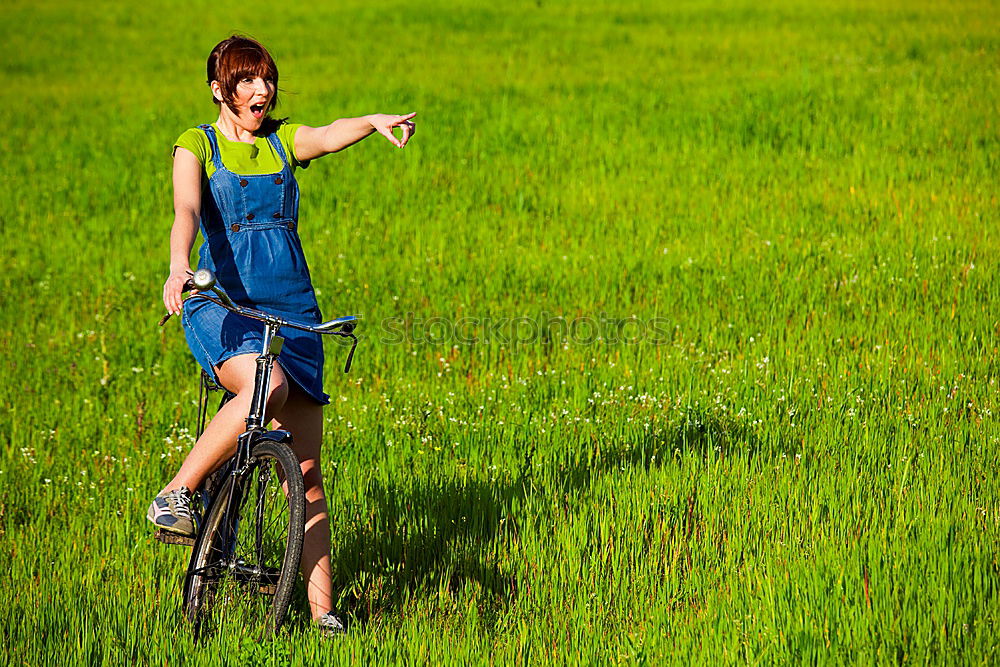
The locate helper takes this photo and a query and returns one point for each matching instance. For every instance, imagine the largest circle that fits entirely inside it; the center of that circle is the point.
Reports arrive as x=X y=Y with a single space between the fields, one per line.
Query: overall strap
x=214 y=141
x=273 y=138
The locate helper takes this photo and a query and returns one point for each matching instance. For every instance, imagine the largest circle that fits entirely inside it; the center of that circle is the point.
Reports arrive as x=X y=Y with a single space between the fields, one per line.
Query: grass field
x=725 y=385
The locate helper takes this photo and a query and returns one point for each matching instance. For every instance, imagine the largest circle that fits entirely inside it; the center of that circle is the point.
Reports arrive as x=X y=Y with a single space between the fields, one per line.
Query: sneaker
x=172 y=512
x=330 y=625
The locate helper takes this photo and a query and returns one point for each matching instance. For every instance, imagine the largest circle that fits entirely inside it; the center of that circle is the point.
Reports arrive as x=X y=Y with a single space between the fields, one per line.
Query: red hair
x=237 y=57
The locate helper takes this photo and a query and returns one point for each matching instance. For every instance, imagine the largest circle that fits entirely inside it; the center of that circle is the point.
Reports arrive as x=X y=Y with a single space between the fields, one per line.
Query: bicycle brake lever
x=350 y=355
x=188 y=286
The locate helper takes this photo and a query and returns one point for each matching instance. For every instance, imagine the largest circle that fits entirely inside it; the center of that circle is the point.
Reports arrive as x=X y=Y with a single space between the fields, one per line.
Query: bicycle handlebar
x=342 y=326
x=203 y=280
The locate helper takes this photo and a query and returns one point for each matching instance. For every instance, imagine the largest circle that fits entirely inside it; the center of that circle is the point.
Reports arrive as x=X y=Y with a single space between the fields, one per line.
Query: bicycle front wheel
x=246 y=558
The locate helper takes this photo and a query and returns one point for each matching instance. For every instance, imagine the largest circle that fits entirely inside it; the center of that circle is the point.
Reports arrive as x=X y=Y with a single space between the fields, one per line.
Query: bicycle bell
x=203 y=280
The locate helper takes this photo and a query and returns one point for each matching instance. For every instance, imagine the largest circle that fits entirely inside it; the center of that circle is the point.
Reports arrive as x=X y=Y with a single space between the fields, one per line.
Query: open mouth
x=257 y=110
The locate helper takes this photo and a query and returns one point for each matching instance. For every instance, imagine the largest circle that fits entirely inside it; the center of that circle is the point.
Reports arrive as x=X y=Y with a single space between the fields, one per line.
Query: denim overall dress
x=250 y=228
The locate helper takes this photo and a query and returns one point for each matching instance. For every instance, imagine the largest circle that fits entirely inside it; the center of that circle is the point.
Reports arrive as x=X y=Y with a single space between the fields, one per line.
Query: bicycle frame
x=220 y=553
x=255 y=432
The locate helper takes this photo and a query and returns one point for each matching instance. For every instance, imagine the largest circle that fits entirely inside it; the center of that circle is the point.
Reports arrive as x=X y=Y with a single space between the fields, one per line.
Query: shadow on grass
x=441 y=538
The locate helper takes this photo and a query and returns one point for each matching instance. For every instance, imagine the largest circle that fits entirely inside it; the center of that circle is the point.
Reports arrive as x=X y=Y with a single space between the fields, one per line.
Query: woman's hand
x=384 y=122
x=174 y=288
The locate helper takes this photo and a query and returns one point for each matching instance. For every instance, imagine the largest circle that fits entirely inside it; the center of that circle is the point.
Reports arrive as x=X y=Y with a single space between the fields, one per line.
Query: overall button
x=291 y=226
x=279 y=180
x=276 y=216
x=235 y=227
x=243 y=182
x=250 y=216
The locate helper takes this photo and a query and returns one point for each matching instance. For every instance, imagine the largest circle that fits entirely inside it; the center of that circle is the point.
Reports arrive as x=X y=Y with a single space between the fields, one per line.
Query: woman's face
x=253 y=96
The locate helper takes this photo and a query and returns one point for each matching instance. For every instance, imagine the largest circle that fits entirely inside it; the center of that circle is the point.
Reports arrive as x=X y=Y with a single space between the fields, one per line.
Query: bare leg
x=303 y=417
x=218 y=442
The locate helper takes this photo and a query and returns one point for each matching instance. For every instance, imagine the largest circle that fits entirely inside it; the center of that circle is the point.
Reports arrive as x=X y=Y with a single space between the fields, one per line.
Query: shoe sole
x=171 y=529
x=164 y=537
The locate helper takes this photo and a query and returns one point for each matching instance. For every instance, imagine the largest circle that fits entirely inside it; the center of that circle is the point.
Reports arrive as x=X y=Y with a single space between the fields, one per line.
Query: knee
x=277 y=394
x=239 y=375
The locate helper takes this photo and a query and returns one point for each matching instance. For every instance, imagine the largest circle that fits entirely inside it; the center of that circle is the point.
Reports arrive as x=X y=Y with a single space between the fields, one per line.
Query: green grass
x=801 y=467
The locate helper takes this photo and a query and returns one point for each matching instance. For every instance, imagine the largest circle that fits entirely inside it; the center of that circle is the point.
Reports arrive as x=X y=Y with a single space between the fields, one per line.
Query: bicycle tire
x=227 y=565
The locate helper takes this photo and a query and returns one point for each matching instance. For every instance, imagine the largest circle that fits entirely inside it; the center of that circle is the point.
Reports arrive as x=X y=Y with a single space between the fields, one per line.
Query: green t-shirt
x=256 y=158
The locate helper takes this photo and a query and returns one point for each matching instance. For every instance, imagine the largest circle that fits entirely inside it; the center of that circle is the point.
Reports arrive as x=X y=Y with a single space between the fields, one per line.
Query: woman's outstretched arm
x=314 y=142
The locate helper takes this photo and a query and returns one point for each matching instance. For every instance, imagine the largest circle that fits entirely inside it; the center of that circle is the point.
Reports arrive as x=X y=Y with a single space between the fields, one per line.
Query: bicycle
x=253 y=566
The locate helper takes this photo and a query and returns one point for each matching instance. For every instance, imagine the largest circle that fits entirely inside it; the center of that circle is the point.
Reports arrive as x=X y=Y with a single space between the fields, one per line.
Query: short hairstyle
x=237 y=57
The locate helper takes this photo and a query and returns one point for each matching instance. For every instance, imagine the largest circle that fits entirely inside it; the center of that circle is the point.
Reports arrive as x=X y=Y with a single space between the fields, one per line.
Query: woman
x=235 y=179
